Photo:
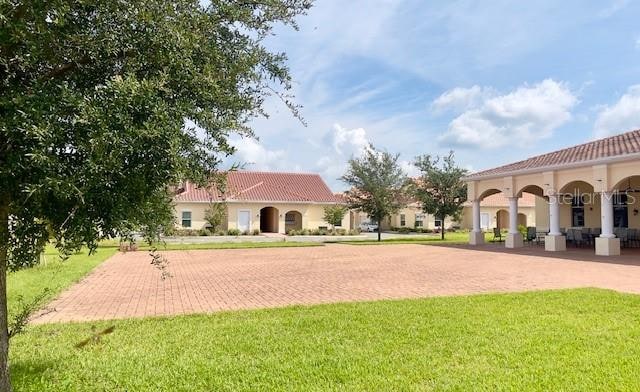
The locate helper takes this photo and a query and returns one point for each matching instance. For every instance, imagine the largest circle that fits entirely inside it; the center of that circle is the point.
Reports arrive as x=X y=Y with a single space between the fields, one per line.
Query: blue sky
x=494 y=81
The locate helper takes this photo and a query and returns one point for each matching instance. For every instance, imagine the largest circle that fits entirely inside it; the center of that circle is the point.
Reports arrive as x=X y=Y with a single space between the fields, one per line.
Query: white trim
x=238 y=218
x=542 y=169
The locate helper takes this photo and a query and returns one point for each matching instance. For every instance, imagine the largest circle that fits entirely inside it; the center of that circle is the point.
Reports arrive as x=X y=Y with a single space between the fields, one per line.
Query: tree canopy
x=334 y=214
x=105 y=103
x=440 y=188
x=378 y=185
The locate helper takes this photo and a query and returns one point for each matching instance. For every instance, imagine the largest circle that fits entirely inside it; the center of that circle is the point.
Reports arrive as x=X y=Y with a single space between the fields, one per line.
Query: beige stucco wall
x=592 y=216
x=467 y=216
x=312 y=214
x=410 y=213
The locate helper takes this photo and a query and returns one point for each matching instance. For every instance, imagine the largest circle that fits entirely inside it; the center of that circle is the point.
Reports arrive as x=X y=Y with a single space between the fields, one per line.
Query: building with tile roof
x=272 y=202
x=590 y=191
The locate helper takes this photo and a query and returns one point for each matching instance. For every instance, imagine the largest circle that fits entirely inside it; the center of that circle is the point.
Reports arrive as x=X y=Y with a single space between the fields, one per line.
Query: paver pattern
x=202 y=281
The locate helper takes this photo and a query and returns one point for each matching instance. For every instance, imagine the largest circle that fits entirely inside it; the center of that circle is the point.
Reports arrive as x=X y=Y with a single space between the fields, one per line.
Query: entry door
x=485 y=219
x=244 y=220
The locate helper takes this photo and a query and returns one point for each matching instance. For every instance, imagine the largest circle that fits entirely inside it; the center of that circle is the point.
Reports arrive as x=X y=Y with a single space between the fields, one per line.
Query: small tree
x=215 y=214
x=334 y=214
x=378 y=184
x=440 y=188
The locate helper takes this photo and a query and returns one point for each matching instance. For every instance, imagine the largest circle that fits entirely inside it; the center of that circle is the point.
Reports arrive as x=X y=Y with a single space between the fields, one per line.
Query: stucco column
x=607 y=215
x=607 y=244
x=476 y=237
x=513 y=215
x=555 y=241
x=514 y=238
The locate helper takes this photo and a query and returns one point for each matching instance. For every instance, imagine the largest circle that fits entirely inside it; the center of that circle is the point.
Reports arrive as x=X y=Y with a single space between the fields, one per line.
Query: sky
x=496 y=82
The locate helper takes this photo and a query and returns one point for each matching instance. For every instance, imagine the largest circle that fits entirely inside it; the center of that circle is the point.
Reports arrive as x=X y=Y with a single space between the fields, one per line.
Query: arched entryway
x=502 y=219
x=269 y=220
x=292 y=221
x=522 y=220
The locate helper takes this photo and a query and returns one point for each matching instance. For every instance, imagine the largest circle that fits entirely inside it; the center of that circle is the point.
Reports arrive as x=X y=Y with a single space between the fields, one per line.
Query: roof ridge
x=588 y=151
x=276 y=172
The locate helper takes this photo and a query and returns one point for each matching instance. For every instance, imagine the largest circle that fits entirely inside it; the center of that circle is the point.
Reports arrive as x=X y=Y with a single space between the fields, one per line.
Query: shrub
x=221 y=232
x=404 y=230
x=315 y=232
x=235 y=232
x=256 y=232
x=204 y=232
x=354 y=232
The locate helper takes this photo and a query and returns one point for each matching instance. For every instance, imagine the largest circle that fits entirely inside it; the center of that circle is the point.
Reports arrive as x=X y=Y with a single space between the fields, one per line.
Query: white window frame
x=403 y=220
x=182 y=219
x=238 y=218
x=435 y=223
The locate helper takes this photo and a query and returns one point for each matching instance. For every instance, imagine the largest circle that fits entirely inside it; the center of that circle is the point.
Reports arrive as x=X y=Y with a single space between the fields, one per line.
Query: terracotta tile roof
x=251 y=186
x=499 y=200
x=615 y=146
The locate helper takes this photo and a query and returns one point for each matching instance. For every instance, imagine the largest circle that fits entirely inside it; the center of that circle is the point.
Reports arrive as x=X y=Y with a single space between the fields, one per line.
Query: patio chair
x=623 y=234
x=633 y=238
x=531 y=234
x=570 y=236
x=578 y=238
x=497 y=235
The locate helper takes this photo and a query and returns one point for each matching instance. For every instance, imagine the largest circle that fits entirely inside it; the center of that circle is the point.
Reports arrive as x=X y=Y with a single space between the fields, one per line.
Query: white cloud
x=346 y=143
x=622 y=116
x=350 y=140
x=409 y=169
x=521 y=117
x=256 y=157
x=460 y=99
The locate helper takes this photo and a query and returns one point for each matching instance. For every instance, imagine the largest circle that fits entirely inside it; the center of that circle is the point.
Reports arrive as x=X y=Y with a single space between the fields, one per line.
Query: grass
x=450 y=238
x=555 y=340
x=233 y=245
x=52 y=274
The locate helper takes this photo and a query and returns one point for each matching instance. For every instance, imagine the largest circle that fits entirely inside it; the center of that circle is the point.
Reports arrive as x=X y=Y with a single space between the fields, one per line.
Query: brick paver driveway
x=211 y=280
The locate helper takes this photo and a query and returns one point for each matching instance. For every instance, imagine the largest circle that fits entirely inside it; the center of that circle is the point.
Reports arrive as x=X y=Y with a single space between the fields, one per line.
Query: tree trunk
x=5 y=382
x=379 y=229
x=442 y=228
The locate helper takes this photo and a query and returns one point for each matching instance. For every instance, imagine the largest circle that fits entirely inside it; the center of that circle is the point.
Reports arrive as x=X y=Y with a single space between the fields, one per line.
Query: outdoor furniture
x=540 y=236
x=633 y=239
x=578 y=238
x=570 y=236
x=497 y=235
x=623 y=234
x=531 y=234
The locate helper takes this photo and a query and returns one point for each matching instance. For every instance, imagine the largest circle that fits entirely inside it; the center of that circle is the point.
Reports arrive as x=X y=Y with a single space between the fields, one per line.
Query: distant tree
x=440 y=188
x=334 y=214
x=215 y=214
x=378 y=185
x=106 y=103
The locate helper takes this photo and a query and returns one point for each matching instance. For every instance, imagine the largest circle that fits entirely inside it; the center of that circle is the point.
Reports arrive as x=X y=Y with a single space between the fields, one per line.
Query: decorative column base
x=514 y=241
x=555 y=243
x=607 y=246
x=476 y=238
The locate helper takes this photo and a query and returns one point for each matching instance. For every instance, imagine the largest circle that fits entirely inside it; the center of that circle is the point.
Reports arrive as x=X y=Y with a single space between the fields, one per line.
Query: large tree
x=378 y=185
x=440 y=188
x=105 y=103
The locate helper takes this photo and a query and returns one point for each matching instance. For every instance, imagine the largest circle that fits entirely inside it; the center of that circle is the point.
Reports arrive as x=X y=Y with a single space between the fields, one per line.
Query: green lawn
x=233 y=245
x=53 y=274
x=554 y=340
x=450 y=238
